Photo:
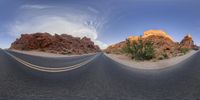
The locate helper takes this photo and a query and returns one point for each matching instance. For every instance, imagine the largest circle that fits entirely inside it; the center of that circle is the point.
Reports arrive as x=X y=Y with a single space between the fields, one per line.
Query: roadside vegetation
x=184 y=50
x=139 y=51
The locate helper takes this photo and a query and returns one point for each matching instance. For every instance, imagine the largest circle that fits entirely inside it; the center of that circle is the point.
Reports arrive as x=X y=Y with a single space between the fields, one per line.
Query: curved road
x=100 y=79
x=51 y=62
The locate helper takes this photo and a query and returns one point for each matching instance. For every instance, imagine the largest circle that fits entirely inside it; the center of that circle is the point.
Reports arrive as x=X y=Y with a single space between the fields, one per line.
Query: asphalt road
x=101 y=79
x=52 y=62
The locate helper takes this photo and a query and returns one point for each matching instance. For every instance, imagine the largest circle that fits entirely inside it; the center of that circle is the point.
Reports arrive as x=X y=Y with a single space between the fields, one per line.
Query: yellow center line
x=49 y=69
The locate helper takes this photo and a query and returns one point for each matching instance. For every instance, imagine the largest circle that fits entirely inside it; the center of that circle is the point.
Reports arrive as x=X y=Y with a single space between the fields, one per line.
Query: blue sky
x=104 y=21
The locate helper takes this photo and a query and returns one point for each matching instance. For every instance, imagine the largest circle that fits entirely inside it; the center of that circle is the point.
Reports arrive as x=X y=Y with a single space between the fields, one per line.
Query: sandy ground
x=160 y=64
x=45 y=54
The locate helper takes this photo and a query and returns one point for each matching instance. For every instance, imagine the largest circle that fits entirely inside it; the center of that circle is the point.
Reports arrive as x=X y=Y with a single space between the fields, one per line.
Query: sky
x=106 y=22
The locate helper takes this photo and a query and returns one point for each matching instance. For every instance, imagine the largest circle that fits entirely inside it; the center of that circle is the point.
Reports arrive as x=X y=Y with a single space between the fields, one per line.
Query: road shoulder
x=149 y=65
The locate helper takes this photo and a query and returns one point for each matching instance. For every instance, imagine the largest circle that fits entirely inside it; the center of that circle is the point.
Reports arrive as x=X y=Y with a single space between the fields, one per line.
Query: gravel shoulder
x=160 y=64
x=45 y=54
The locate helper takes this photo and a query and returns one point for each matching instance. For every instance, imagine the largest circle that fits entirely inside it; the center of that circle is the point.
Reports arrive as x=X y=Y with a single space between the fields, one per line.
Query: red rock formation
x=116 y=48
x=159 y=33
x=163 y=43
x=187 y=42
x=62 y=44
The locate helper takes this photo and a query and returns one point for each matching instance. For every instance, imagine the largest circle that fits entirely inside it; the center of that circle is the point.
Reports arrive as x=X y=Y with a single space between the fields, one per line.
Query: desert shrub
x=165 y=56
x=139 y=50
x=184 y=50
x=161 y=58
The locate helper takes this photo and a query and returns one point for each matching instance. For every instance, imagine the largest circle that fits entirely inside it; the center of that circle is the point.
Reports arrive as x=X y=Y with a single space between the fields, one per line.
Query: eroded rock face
x=162 y=42
x=116 y=48
x=187 y=42
x=163 y=45
x=61 y=44
x=133 y=38
x=156 y=33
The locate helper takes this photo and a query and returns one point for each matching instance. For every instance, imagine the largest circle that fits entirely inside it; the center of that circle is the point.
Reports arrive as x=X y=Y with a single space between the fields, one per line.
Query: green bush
x=184 y=50
x=165 y=56
x=139 y=50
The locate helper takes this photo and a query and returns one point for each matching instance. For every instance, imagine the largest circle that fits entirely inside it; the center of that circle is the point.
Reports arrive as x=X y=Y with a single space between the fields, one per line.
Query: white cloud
x=101 y=44
x=57 y=24
x=35 y=6
x=93 y=10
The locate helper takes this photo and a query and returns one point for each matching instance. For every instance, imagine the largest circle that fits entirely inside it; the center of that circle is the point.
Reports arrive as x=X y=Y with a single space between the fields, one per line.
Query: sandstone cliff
x=61 y=44
x=163 y=43
x=187 y=42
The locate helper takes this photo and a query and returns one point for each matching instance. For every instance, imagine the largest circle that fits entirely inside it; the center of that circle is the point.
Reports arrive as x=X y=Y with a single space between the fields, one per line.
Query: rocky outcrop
x=187 y=42
x=163 y=44
x=158 y=33
x=61 y=44
x=116 y=48
x=133 y=38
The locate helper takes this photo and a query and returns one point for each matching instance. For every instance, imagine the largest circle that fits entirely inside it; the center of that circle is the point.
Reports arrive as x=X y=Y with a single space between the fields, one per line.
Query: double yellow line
x=48 y=69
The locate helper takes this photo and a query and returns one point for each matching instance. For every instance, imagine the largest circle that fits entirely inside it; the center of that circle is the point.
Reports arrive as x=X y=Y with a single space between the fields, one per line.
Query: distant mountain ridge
x=60 y=44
